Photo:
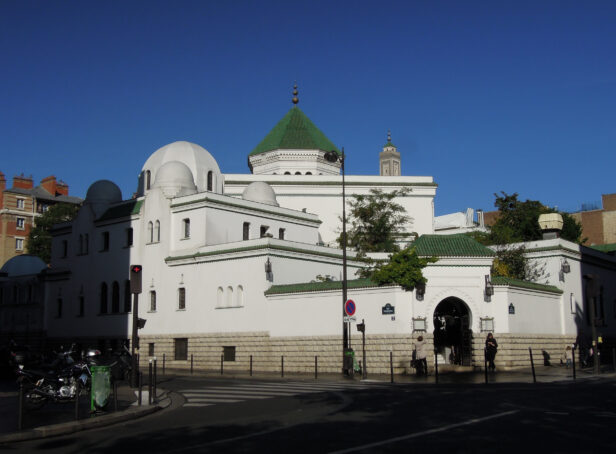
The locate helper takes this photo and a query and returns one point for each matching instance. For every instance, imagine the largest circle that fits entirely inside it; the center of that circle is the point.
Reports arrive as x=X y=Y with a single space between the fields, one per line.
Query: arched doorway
x=453 y=337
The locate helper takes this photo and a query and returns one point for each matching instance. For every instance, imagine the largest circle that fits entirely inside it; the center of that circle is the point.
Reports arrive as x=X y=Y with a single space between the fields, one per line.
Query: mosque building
x=230 y=265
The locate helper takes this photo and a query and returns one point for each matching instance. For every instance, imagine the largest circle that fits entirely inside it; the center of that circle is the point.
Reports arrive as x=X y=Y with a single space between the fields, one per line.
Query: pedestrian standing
x=568 y=356
x=491 y=349
x=421 y=349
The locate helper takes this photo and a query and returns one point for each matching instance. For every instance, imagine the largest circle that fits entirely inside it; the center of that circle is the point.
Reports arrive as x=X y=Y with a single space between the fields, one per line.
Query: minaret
x=389 y=159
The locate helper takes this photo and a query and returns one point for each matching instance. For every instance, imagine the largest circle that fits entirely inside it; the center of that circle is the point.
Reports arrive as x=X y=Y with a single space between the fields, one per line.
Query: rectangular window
x=129 y=237
x=105 y=241
x=246 y=231
x=228 y=353
x=281 y=234
x=19 y=244
x=21 y=223
x=59 y=308
x=85 y=243
x=181 y=298
x=82 y=306
x=263 y=231
x=151 y=349
x=181 y=348
x=152 y=301
x=64 y=248
x=21 y=204
x=186 y=223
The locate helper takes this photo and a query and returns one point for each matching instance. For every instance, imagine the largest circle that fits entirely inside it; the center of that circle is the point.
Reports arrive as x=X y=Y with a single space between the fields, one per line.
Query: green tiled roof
x=389 y=144
x=120 y=211
x=321 y=286
x=458 y=245
x=607 y=248
x=500 y=280
x=295 y=131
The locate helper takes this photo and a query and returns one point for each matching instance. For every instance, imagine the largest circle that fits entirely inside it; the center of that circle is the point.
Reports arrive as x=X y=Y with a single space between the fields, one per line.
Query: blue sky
x=485 y=96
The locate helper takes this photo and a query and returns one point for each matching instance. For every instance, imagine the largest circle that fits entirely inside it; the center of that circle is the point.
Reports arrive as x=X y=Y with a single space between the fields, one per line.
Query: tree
x=39 y=239
x=403 y=268
x=376 y=222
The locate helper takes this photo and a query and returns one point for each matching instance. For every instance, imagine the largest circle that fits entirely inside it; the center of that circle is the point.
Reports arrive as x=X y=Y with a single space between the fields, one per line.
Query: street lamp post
x=333 y=156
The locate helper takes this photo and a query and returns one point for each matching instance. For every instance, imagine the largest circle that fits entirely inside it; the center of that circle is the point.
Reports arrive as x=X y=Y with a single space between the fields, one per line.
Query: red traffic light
x=136 y=268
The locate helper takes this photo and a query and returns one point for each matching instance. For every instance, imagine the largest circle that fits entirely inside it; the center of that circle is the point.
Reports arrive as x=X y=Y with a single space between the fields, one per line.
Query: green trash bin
x=101 y=387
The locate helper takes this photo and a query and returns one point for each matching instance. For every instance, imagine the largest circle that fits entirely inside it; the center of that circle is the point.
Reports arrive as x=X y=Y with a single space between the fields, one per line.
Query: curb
x=66 y=428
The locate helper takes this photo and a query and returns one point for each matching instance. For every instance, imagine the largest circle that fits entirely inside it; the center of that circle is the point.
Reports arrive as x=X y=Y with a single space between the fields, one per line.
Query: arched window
x=103 y=298
x=148 y=176
x=219 y=294
x=287 y=173
x=150 y=232
x=239 y=298
x=298 y=173
x=308 y=173
x=157 y=231
x=229 y=296
x=127 y=305
x=115 y=297
x=209 y=181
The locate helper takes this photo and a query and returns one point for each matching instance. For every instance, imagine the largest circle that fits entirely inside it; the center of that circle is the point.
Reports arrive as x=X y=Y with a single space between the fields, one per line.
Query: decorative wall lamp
x=565 y=267
x=420 y=291
x=489 y=287
x=511 y=308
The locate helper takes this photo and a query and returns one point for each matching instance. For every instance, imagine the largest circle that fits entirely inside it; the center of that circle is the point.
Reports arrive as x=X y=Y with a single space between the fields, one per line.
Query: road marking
x=425 y=432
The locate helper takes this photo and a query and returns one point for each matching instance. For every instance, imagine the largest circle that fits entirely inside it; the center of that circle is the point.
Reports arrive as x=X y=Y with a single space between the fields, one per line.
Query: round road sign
x=349 y=307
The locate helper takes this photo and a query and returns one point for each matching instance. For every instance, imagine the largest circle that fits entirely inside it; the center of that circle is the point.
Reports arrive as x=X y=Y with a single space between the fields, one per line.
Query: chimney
x=22 y=182
x=49 y=184
x=62 y=188
x=551 y=224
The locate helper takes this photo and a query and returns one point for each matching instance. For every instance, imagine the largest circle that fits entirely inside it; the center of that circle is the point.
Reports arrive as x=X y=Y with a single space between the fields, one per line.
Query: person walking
x=491 y=349
x=421 y=353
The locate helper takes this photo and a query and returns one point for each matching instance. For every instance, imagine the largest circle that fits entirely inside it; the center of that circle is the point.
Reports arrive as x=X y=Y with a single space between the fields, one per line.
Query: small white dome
x=201 y=163
x=103 y=191
x=261 y=192
x=22 y=265
x=175 y=179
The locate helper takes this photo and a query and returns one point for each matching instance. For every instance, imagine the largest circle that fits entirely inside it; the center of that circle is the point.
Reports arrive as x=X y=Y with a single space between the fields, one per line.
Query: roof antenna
x=295 y=98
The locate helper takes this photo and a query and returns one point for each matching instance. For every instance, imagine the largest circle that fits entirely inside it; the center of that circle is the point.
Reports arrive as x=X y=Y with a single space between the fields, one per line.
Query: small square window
x=181 y=348
x=228 y=353
x=21 y=204
x=21 y=223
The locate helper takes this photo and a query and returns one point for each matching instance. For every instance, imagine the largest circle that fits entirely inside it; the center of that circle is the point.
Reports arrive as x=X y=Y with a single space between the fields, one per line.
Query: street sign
x=349 y=307
x=348 y=318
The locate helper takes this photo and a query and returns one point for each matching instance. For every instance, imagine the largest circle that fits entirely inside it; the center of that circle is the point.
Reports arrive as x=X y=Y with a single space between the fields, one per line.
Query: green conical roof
x=295 y=132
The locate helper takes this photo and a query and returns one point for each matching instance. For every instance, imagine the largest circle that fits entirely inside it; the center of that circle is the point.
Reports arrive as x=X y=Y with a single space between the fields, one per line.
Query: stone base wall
x=299 y=352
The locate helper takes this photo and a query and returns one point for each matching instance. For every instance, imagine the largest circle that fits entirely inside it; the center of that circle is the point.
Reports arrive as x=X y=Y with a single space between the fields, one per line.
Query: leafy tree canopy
x=375 y=222
x=403 y=268
x=39 y=239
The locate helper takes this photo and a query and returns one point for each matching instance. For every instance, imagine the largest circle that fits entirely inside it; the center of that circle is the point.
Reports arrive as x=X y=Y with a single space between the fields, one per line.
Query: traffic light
x=135 y=278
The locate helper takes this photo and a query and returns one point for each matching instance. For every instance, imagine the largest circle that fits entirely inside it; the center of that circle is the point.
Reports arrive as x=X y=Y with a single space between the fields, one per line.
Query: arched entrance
x=453 y=337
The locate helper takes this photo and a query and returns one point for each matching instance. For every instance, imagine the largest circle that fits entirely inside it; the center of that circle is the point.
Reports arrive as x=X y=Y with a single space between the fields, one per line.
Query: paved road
x=347 y=417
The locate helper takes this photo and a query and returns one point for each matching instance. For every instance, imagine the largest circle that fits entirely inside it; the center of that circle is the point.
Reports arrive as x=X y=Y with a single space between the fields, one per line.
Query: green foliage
x=39 y=239
x=375 y=222
x=518 y=221
x=403 y=268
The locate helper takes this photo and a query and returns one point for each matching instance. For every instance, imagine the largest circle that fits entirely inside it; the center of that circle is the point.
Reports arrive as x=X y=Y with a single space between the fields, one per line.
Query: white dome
x=103 y=191
x=175 y=179
x=261 y=192
x=196 y=158
x=22 y=265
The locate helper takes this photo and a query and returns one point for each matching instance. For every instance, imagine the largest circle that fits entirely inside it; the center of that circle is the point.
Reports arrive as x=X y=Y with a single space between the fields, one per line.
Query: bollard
x=316 y=366
x=150 y=383
x=191 y=364
x=140 y=378
x=573 y=361
x=435 y=368
x=77 y=391
x=532 y=364
x=251 y=365
x=155 y=379
x=222 y=360
x=163 y=364
x=282 y=366
x=115 y=395
x=485 y=364
x=20 y=407
x=391 y=365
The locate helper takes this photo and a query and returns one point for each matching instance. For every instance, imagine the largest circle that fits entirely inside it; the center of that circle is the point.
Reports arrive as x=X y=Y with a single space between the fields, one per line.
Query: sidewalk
x=36 y=423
